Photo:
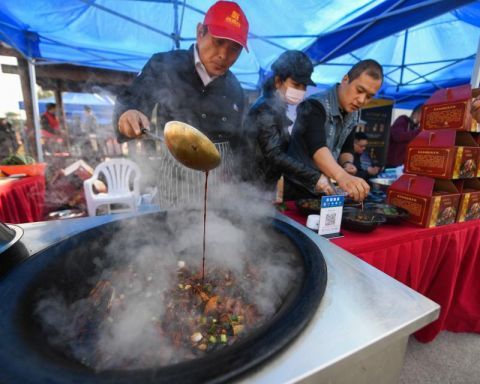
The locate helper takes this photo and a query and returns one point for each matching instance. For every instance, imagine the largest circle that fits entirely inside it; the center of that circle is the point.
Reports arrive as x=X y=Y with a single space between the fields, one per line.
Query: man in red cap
x=194 y=86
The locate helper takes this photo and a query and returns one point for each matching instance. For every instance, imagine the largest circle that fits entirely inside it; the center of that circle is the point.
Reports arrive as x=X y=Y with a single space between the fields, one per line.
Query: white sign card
x=331 y=208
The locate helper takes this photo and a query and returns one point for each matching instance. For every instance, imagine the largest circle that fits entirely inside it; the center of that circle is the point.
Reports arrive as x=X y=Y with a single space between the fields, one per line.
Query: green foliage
x=18 y=159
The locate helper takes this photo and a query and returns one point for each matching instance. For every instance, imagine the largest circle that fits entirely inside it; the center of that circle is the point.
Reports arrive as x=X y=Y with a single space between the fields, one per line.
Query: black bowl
x=308 y=206
x=349 y=202
x=393 y=214
x=362 y=221
x=312 y=206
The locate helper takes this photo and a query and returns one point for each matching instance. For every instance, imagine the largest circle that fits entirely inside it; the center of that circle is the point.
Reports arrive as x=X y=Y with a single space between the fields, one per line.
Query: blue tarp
x=436 y=53
x=123 y=34
x=74 y=103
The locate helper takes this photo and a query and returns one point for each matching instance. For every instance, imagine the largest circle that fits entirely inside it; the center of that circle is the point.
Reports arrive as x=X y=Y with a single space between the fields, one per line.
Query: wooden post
x=61 y=112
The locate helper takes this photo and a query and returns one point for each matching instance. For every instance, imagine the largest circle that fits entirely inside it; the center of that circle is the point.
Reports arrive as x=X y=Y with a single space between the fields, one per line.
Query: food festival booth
x=357 y=300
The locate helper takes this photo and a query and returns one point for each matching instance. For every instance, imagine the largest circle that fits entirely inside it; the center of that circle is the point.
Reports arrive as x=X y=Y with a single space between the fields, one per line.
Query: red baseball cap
x=226 y=20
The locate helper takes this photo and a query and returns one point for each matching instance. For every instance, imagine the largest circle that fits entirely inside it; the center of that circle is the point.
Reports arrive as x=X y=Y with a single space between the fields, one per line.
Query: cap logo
x=234 y=19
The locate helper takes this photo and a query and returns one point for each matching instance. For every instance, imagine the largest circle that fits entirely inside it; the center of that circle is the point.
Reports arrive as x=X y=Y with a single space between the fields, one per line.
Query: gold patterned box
x=429 y=202
x=469 y=207
x=446 y=154
x=476 y=137
x=449 y=108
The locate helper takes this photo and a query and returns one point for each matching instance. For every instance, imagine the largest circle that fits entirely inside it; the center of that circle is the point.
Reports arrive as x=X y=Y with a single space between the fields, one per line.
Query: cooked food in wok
x=218 y=312
x=198 y=318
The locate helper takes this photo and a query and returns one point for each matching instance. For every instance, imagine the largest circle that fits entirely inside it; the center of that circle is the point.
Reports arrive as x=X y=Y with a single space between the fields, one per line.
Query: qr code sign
x=330 y=219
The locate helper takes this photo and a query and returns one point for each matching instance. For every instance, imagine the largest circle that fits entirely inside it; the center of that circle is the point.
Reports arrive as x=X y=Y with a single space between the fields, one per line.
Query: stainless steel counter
x=358 y=335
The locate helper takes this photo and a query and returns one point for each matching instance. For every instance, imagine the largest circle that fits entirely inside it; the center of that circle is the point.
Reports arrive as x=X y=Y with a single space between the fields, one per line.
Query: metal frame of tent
x=327 y=46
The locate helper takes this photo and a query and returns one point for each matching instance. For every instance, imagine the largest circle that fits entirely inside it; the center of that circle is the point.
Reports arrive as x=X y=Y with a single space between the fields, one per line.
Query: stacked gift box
x=440 y=184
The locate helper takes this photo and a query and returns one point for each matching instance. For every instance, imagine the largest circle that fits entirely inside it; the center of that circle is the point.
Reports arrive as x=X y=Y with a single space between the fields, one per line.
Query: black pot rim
x=27 y=363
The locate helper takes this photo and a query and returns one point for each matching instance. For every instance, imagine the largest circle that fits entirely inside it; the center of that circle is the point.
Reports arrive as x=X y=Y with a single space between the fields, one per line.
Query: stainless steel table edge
x=346 y=348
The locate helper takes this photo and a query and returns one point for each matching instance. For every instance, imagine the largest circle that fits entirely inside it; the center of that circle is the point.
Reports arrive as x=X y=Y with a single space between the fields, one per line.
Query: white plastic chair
x=122 y=178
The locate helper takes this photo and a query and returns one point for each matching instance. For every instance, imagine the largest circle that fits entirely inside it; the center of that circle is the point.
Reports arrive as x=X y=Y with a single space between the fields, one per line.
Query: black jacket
x=171 y=81
x=267 y=126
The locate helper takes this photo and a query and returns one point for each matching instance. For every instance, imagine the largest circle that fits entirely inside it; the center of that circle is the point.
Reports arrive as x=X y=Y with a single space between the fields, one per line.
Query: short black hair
x=360 y=136
x=50 y=106
x=294 y=64
x=370 y=66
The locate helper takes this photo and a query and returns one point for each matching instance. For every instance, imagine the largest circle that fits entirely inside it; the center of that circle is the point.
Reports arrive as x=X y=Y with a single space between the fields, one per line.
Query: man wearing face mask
x=325 y=127
x=267 y=124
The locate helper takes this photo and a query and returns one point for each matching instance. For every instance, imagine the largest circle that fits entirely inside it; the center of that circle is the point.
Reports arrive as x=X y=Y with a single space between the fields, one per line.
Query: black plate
x=393 y=214
x=312 y=206
x=349 y=202
x=361 y=221
x=308 y=206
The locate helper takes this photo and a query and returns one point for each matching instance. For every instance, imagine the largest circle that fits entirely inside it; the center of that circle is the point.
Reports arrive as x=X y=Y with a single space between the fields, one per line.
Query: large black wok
x=26 y=356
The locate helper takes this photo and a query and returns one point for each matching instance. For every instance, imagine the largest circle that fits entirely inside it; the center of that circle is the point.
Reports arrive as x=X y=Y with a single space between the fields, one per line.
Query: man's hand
x=475 y=110
x=373 y=171
x=356 y=187
x=131 y=123
x=350 y=168
x=324 y=185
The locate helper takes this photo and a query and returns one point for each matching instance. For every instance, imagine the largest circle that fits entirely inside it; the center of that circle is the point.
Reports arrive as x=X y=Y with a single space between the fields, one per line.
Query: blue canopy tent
x=74 y=103
x=418 y=58
x=422 y=44
x=123 y=34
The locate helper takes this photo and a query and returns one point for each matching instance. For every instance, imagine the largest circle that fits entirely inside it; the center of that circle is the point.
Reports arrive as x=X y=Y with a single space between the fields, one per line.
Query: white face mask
x=294 y=96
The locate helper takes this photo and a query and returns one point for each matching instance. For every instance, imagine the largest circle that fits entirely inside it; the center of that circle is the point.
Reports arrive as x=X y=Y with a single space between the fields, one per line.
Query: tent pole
x=176 y=31
x=476 y=69
x=357 y=33
x=36 y=113
x=404 y=54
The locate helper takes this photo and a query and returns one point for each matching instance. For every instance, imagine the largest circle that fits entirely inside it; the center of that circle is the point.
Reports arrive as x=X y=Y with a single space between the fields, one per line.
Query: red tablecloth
x=22 y=200
x=441 y=263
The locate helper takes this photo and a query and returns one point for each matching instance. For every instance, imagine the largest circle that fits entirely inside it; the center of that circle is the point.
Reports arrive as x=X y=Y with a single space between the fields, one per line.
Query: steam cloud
x=141 y=265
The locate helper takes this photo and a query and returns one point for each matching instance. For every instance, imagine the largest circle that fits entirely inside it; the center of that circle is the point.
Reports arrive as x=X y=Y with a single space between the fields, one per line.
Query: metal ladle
x=189 y=146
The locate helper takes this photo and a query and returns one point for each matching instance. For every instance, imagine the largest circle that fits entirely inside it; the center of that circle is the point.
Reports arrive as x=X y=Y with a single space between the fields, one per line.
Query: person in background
x=50 y=128
x=403 y=130
x=194 y=86
x=49 y=122
x=361 y=165
x=8 y=139
x=325 y=125
x=89 y=121
x=93 y=144
x=267 y=124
